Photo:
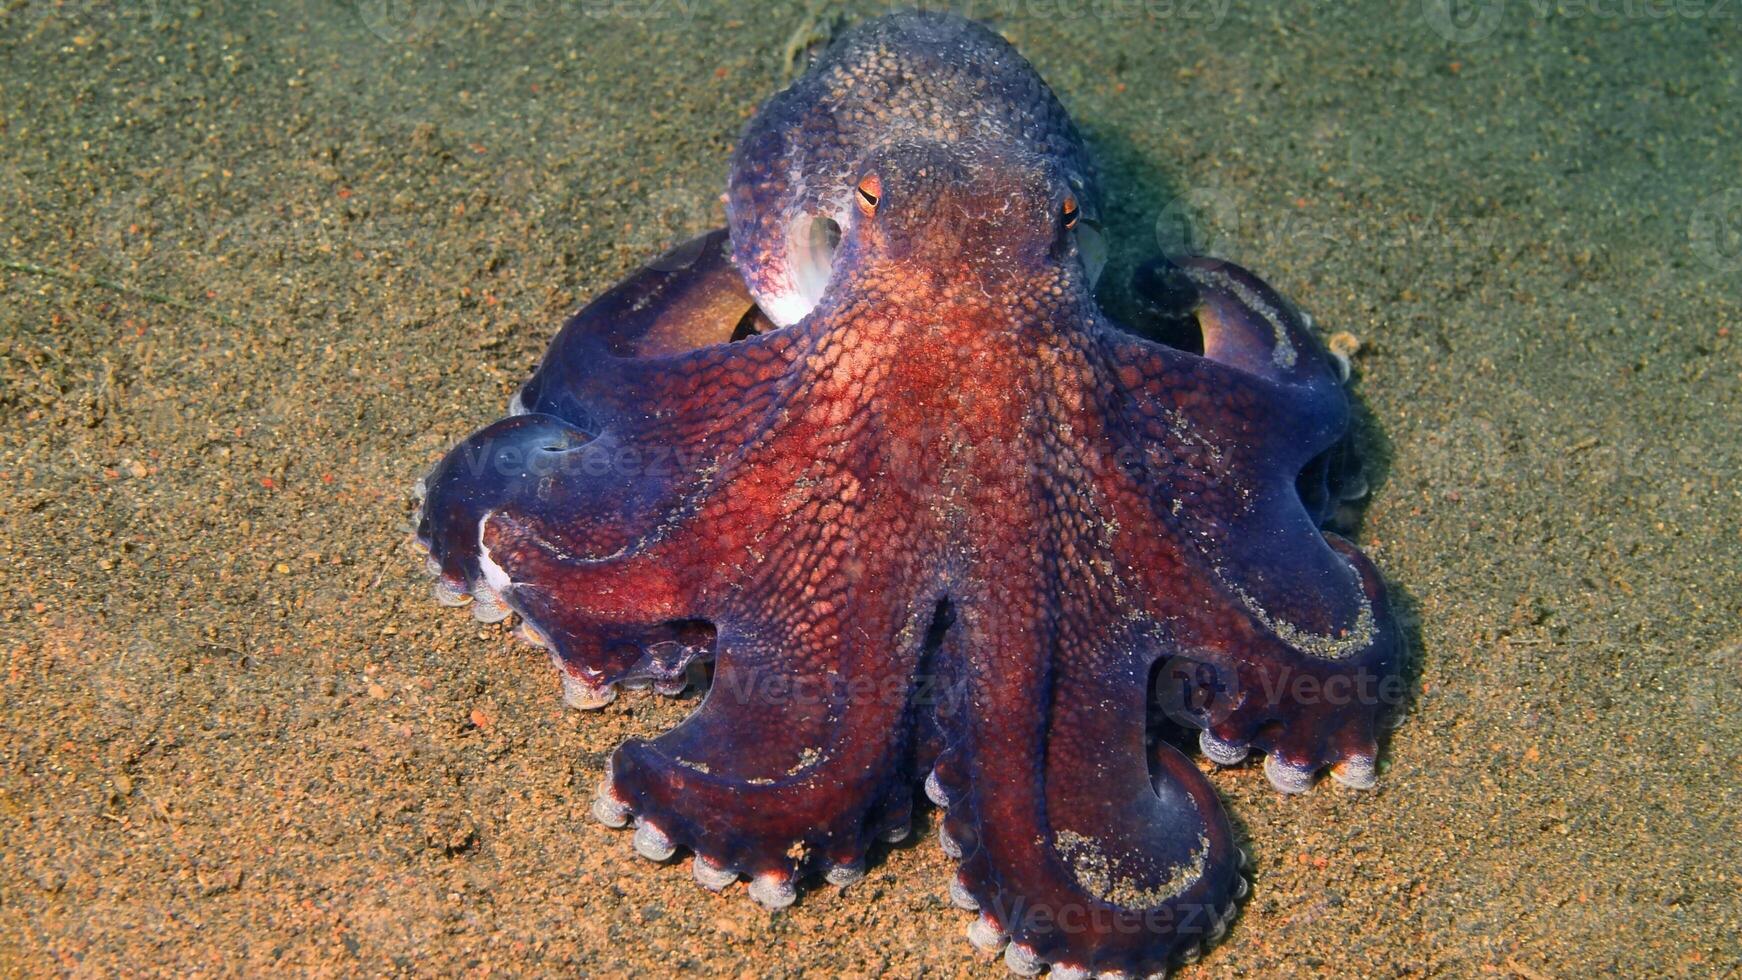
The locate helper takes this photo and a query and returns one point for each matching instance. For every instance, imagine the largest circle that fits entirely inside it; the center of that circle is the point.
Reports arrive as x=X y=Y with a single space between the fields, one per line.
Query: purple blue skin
x=950 y=526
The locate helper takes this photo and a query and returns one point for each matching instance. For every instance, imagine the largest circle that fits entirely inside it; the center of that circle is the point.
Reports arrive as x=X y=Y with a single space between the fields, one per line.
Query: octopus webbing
x=874 y=467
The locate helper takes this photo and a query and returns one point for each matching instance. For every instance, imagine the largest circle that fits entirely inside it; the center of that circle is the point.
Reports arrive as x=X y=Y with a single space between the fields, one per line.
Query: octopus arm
x=652 y=342
x=797 y=757
x=1263 y=381
x=617 y=441
x=1080 y=845
x=795 y=761
x=1289 y=623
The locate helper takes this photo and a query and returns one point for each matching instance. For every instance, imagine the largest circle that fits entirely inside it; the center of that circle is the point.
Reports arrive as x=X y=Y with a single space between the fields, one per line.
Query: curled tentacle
x=537 y=463
x=606 y=618
x=1263 y=379
x=604 y=360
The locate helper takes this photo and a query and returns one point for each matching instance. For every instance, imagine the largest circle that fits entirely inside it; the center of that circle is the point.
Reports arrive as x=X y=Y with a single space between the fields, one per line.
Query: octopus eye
x=870 y=189
x=1070 y=211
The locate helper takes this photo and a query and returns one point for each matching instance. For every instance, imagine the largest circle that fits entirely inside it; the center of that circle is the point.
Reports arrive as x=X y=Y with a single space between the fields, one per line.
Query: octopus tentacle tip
x=1022 y=960
x=986 y=935
x=895 y=834
x=581 y=695
x=845 y=874
x=1222 y=753
x=951 y=847
x=960 y=897
x=448 y=592
x=609 y=810
x=1356 y=772
x=934 y=790
x=652 y=843
x=431 y=566
x=713 y=877
x=487 y=605
x=773 y=890
x=529 y=634
x=1286 y=776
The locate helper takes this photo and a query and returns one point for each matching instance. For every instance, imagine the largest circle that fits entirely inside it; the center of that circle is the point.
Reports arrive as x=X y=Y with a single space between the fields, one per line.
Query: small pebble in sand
x=1344 y=346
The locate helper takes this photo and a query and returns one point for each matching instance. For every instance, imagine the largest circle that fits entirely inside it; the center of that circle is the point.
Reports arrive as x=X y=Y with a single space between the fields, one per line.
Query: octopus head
x=934 y=216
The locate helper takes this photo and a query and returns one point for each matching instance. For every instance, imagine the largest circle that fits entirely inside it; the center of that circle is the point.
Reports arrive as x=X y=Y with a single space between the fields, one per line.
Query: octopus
x=872 y=466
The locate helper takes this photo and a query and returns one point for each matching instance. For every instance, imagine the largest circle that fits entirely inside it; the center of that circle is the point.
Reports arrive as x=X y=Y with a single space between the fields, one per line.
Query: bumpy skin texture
x=908 y=76
x=952 y=526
